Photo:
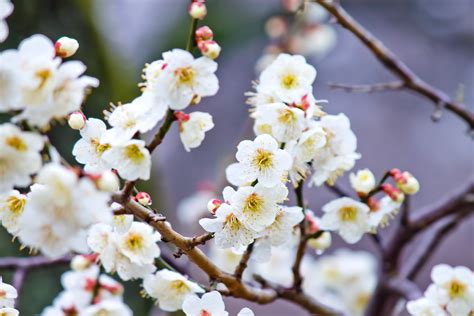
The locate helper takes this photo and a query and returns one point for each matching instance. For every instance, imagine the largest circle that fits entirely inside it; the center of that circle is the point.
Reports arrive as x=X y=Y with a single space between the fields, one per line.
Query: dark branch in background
x=408 y=79
x=337 y=190
x=369 y=88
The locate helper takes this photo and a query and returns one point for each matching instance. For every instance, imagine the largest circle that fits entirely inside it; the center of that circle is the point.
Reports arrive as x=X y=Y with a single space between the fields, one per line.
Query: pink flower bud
x=209 y=49
x=393 y=193
x=213 y=205
x=143 y=198
x=181 y=116
x=77 y=120
x=313 y=226
x=197 y=10
x=204 y=33
x=408 y=184
x=66 y=47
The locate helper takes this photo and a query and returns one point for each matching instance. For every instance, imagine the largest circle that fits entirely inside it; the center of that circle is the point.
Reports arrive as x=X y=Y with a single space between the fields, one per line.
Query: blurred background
x=117 y=37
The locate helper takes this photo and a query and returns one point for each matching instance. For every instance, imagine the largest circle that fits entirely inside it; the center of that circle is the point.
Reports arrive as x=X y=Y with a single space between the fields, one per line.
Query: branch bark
x=392 y=62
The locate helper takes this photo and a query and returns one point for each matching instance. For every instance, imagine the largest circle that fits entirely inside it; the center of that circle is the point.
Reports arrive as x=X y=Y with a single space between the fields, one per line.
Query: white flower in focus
x=425 y=307
x=89 y=149
x=19 y=156
x=339 y=153
x=108 y=308
x=170 y=289
x=210 y=304
x=257 y=206
x=279 y=232
x=260 y=160
x=348 y=217
x=60 y=210
x=184 y=77
x=229 y=230
x=288 y=77
x=139 y=243
x=454 y=288
x=363 y=181
x=8 y=294
x=12 y=205
x=6 y=8
x=386 y=210
x=286 y=122
x=141 y=115
x=192 y=130
x=131 y=159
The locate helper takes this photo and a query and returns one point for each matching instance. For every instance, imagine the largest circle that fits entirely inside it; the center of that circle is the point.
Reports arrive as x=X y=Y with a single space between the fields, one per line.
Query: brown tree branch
x=239 y=270
x=368 y=88
x=392 y=62
x=236 y=287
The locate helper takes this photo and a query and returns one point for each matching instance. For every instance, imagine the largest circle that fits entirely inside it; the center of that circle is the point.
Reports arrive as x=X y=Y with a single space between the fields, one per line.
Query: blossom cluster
x=87 y=292
x=8 y=294
x=451 y=293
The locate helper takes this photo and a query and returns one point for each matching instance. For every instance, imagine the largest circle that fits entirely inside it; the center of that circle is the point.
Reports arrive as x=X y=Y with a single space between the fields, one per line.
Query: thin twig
x=239 y=270
x=300 y=251
x=337 y=190
x=368 y=88
x=392 y=62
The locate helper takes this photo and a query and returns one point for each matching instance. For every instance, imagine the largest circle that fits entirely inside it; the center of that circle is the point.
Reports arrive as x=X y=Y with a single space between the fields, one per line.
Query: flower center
x=16 y=205
x=205 y=313
x=100 y=148
x=289 y=81
x=185 y=75
x=16 y=142
x=133 y=153
x=253 y=203
x=263 y=159
x=456 y=289
x=287 y=116
x=43 y=75
x=134 y=241
x=179 y=286
x=232 y=223
x=348 y=213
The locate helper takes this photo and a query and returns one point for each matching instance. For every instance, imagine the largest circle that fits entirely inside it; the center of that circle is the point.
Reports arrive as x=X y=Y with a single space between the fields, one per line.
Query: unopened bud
x=363 y=181
x=181 y=116
x=312 y=221
x=204 y=33
x=143 y=198
x=209 y=49
x=213 y=205
x=393 y=193
x=108 y=182
x=276 y=27
x=321 y=243
x=66 y=47
x=408 y=184
x=197 y=10
x=81 y=262
x=77 y=120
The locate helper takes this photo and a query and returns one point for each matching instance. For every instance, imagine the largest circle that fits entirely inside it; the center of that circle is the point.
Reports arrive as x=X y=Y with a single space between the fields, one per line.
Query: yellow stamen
x=289 y=81
x=16 y=142
x=348 y=213
x=263 y=159
x=133 y=153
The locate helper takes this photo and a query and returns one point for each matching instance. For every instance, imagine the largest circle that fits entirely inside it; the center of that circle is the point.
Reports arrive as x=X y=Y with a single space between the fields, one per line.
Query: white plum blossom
x=210 y=304
x=170 y=289
x=386 y=209
x=89 y=149
x=8 y=311
x=6 y=8
x=339 y=153
x=280 y=231
x=19 y=156
x=12 y=205
x=246 y=312
x=131 y=159
x=288 y=77
x=128 y=248
x=226 y=259
x=425 y=307
x=192 y=130
x=260 y=160
x=184 y=78
x=285 y=123
x=348 y=217
x=453 y=287
x=229 y=230
x=257 y=206
x=363 y=181
x=141 y=115
x=61 y=208
x=8 y=294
